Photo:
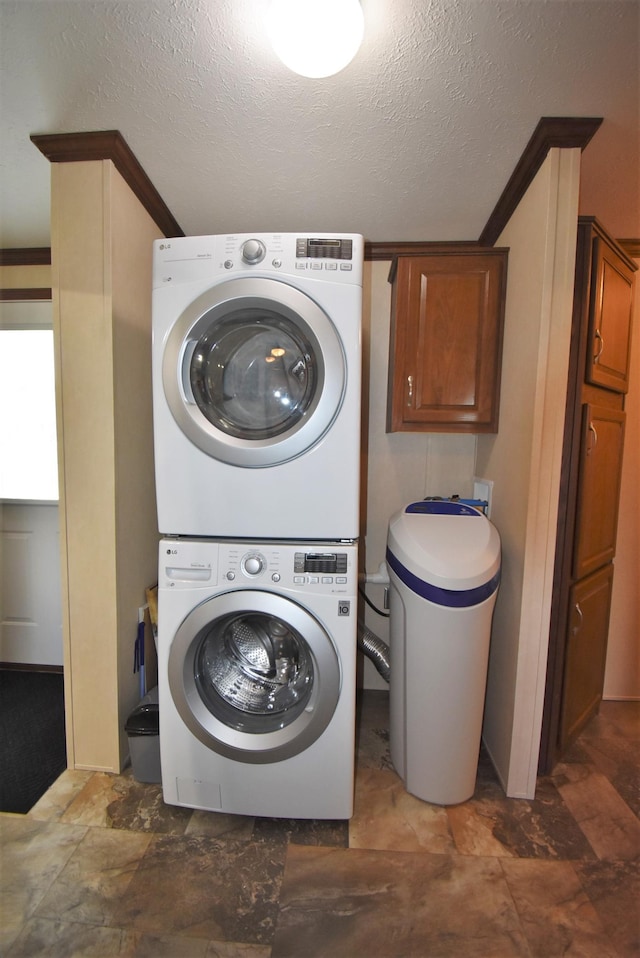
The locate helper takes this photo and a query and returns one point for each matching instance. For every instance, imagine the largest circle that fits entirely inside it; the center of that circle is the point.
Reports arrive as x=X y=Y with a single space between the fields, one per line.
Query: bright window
x=28 y=452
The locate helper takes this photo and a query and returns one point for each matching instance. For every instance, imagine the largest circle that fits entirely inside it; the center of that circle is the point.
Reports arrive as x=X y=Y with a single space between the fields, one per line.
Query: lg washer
x=257 y=675
x=256 y=385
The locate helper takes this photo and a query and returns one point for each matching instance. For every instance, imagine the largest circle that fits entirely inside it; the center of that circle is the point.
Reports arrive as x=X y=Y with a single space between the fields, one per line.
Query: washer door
x=254 y=372
x=254 y=676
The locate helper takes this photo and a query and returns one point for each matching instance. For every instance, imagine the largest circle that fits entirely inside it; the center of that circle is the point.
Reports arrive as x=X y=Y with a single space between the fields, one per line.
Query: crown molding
x=551 y=131
x=110 y=145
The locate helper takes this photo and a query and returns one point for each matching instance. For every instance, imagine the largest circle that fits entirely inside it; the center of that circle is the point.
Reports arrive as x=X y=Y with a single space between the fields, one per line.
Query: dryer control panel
x=327 y=257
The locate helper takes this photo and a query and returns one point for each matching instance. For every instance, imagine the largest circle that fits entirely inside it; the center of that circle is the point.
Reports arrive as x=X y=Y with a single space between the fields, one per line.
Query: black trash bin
x=143 y=730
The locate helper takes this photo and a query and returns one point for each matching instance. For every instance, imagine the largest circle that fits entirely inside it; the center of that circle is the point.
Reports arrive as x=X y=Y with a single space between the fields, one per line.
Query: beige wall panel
x=133 y=232
x=25 y=277
x=524 y=461
x=82 y=320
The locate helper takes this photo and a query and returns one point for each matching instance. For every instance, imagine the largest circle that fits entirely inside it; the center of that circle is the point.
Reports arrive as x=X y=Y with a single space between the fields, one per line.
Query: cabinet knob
x=409 y=390
x=600 y=342
x=593 y=431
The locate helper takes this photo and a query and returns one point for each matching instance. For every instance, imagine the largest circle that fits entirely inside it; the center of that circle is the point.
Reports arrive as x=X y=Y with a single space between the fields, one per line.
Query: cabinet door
x=609 y=319
x=446 y=343
x=598 y=488
x=586 y=649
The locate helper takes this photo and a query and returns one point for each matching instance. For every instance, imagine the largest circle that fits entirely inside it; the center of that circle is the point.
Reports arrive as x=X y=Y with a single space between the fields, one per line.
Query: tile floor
x=102 y=867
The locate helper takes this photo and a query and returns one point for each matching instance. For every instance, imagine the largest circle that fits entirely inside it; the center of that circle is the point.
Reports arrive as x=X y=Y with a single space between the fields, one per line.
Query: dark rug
x=32 y=739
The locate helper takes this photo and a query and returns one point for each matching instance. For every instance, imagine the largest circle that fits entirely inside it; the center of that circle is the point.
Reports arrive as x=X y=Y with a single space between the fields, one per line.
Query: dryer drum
x=253 y=374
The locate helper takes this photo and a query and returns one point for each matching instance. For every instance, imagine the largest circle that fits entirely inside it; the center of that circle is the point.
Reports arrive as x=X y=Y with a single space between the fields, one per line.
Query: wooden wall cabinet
x=589 y=487
x=445 y=352
x=610 y=312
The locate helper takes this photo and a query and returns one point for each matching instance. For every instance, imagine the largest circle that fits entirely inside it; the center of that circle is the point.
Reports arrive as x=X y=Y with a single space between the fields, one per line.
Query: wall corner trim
x=110 y=145
x=551 y=131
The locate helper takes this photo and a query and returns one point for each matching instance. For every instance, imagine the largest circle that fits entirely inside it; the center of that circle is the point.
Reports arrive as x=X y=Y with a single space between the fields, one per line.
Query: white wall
x=524 y=461
x=398 y=467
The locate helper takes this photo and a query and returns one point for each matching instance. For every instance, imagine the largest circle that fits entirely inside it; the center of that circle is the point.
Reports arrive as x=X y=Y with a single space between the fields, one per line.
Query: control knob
x=253 y=564
x=253 y=251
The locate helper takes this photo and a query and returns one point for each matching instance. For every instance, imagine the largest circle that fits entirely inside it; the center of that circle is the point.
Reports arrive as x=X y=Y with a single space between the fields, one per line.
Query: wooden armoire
x=590 y=487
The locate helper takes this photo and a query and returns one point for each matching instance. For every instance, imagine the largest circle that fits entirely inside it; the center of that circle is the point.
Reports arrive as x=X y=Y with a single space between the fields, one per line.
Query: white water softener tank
x=444 y=566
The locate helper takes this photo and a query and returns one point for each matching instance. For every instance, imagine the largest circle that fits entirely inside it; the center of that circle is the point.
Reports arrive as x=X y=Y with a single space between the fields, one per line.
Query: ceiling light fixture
x=315 y=38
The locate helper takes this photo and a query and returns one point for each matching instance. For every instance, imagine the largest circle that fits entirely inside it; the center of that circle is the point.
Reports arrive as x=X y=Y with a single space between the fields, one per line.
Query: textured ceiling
x=414 y=140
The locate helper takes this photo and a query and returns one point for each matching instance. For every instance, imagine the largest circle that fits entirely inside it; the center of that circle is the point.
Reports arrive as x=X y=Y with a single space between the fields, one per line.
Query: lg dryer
x=257 y=676
x=256 y=385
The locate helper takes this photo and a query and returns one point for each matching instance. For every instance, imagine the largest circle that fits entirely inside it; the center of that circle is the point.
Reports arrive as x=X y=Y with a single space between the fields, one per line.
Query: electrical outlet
x=483 y=489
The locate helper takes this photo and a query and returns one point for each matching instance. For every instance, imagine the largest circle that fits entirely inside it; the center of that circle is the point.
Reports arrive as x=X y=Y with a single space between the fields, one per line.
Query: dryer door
x=254 y=676
x=254 y=372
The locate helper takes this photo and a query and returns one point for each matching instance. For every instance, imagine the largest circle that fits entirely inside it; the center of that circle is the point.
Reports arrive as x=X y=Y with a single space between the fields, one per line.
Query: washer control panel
x=200 y=563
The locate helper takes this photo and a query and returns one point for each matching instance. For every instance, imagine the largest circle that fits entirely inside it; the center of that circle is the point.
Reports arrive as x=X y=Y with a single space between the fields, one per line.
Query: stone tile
x=203 y=887
x=59 y=796
x=617 y=759
x=492 y=824
x=221 y=825
x=59 y=939
x=33 y=854
x=91 y=887
x=348 y=903
x=607 y=821
x=234 y=949
x=387 y=818
x=89 y=807
x=372 y=730
x=472 y=825
x=301 y=831
x=614 y=889
x=139 y=807
x=556 y=914
x=615 y=720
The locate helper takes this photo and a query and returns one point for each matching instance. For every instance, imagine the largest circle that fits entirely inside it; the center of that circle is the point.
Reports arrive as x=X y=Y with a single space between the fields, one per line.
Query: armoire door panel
x=586 y=649
x=610 y=319
x=599 y=488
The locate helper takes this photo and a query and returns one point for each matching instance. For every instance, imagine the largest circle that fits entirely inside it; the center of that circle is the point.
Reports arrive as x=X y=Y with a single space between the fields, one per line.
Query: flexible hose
x=375 y=649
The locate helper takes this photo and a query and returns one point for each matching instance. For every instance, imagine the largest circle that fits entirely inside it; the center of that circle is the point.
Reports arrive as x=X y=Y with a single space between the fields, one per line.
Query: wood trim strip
x=28 y=667
x=551 y=131
x=33 y=256
x=25 y=295
x=110 y=145
x=631 y=247
x=389 y=250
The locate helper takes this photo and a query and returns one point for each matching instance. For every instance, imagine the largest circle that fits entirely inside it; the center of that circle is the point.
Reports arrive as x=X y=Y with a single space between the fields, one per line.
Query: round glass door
x=254 y=676
x=254 y=372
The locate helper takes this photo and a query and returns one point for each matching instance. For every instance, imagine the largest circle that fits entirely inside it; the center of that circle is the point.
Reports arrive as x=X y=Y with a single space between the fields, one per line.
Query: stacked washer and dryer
x=256 y=393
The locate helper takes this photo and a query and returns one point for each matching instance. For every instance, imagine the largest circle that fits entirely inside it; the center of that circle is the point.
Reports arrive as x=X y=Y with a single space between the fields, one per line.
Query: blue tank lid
x=441 y=507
